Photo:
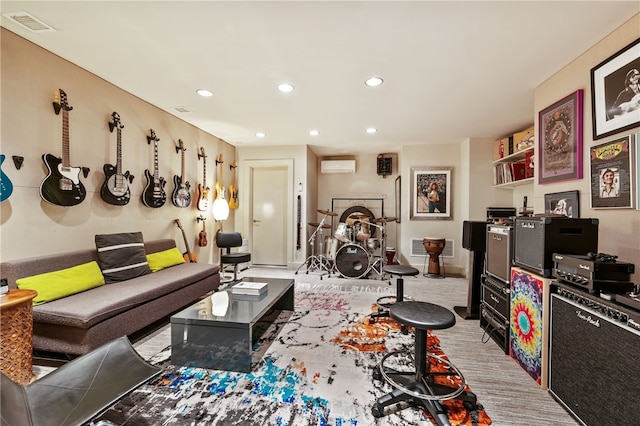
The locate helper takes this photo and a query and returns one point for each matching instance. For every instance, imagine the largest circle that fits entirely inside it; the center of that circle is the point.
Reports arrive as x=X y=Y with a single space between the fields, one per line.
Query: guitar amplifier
x=537 y=238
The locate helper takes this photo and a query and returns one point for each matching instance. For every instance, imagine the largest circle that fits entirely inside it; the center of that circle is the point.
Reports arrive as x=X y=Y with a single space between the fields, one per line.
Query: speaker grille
x=593 y=369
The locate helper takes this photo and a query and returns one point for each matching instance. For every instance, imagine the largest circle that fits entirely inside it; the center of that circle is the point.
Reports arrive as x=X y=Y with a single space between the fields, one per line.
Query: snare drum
x=343 y=232
x=352 y=261
x=373 y=243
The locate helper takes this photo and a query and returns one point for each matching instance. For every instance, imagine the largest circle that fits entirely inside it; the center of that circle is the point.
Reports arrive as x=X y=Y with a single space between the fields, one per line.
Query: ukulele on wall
x=115 y=189
x=181 y=196
x=188 y=256
x=153 y=195
x=203 y=189
x=62 y=184
x=234 y=203
x=202 y=236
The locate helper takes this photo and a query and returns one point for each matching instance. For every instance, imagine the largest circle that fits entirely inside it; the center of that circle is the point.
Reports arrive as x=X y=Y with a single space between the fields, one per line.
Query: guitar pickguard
x=62 y=185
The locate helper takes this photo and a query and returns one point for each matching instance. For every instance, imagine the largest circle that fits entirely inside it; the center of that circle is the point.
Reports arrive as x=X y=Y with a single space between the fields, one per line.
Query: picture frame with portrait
x=431 y=193
x=615 y=92
x=611 y=174
x=566 y=203
x=560 y=140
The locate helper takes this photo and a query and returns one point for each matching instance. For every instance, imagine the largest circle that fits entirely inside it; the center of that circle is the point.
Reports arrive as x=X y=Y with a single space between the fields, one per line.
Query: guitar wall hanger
x=200 y=154
x=116 y=122
x=231 y=167
x=85 y=171
x=200 y=218
x=180 y=147
x=152 y=137
x=17 y=161
x=219 y=161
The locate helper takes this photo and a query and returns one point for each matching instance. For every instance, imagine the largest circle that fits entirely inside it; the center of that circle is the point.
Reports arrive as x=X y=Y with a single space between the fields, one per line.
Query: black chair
x=419 y=384
x=385 y=302
x=226 y=241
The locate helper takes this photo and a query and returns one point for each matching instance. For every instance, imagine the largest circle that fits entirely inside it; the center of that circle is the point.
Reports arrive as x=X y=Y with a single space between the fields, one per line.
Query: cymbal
x=386 y=219
x=327 y=212
x=316 y=224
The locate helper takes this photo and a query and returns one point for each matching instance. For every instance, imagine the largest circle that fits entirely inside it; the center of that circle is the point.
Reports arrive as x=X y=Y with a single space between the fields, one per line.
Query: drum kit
x=352 y=251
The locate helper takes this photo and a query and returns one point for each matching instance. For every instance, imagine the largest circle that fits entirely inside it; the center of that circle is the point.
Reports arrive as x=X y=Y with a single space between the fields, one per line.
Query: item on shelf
x=524 y=140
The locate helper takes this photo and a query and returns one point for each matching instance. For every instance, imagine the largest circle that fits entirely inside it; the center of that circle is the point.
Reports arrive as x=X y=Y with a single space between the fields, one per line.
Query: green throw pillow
x=164 y=259
x=65 y=282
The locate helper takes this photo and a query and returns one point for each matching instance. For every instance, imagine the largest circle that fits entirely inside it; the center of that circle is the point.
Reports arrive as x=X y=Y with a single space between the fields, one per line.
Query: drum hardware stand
x=380 y=260
x=320 y=262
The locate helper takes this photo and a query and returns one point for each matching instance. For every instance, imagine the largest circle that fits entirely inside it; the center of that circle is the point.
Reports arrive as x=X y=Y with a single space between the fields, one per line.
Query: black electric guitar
x=153 y=195
x=62 y=184
x=115 y=189
x=203 y=189
x=188 y=256
x=181 y=196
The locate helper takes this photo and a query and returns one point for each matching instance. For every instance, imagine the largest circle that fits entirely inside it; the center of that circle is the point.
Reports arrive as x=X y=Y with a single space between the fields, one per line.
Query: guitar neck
x=155 y=160
x=119 y=154
x=65 y=139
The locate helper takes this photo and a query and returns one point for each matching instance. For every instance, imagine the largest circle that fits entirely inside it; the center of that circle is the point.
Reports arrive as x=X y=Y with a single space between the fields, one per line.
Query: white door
x=269 y=218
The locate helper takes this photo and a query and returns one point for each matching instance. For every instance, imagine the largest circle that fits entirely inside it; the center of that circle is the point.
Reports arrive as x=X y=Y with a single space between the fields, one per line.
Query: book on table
x=250 y=288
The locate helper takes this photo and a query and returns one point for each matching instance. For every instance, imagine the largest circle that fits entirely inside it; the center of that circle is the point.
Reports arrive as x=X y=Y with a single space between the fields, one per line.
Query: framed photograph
x=637 y=150
x=611 y=174
x=431 y=193
x=398 y=189
x=560 y=149
x=615 y=92
x=566 y=203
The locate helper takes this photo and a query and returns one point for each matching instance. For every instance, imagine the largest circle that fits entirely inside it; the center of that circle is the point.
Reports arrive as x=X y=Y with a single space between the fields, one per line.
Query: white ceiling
x=452 y=70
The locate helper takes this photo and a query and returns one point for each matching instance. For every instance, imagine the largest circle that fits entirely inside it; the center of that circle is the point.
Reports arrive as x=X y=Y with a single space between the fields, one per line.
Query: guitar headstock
x=201 y=153
x=233 y=165
x=115 y=123
x=180 y=146
x=152 y=137
x=219 y=159
x=60 y=102
x=177 y=221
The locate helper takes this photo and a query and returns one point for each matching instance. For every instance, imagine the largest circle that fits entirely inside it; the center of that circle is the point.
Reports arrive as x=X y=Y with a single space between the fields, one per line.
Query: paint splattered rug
x=316 y=370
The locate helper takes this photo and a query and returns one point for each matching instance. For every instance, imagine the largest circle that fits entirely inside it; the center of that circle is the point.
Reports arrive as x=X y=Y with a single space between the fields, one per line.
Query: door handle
x=256 y=221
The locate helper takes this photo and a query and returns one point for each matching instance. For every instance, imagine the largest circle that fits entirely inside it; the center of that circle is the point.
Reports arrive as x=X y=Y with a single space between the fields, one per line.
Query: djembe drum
x=434 y=247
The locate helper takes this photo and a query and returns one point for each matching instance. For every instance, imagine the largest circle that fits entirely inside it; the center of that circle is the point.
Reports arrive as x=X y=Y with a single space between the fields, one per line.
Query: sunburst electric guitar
x=234 y=202
x=115 y=189
x=203 y=189
x=181 y=196
x=62 y=184
x=153 y=195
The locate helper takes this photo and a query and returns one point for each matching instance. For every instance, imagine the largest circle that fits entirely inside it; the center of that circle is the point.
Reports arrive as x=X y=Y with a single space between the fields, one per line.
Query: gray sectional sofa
x=84 y=321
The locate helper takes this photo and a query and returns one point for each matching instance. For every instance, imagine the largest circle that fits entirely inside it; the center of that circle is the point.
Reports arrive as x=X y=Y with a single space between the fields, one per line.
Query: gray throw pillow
x=121 y=256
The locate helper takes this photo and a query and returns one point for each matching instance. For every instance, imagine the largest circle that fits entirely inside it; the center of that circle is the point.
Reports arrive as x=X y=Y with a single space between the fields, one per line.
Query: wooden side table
x=16 y=334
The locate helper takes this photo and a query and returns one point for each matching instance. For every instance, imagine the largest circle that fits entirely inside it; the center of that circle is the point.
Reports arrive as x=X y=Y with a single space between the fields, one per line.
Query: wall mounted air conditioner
x=338 y=166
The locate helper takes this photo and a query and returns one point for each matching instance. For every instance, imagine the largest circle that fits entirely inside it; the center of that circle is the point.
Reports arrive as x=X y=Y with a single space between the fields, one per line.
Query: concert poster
x=611 y=174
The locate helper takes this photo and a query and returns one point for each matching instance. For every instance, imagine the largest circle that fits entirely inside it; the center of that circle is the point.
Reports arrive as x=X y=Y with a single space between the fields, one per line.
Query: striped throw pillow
x=121 y=256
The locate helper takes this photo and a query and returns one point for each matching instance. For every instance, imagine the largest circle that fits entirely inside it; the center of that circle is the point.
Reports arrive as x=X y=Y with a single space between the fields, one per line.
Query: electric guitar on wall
x=62 y=184
x=153 y=195
x=219 y=187
x=181 y=196
x=6 y=187
x=188 y=256
x=115 y=189
x=234 y=203
x=203 y=189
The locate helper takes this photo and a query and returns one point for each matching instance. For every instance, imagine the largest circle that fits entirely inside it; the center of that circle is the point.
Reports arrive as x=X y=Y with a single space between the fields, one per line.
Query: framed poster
x=637 y=171
x=611 y=174
x=566 y=203
x=431 y=193
x=615 y=92
x=561 y=140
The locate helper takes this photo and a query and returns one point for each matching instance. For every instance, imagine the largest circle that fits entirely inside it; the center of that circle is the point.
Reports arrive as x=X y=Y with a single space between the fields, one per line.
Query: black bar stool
x=386 y=301
x=419 y=385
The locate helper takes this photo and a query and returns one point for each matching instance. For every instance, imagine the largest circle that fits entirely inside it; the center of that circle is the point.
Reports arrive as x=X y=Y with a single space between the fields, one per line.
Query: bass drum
x=352 y=261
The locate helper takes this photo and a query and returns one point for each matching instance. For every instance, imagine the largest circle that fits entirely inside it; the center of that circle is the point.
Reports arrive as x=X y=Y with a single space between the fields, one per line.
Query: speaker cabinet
x=499 y=252
x=593 y=367
x=537 y=238
x=474 y=235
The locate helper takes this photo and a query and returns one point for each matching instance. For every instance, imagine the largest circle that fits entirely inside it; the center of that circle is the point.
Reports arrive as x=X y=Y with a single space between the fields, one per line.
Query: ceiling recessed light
x=373 y=81
x=260 y=134
x=371 y=130
x=285 y=87
x=204 y=92
x=314 y=132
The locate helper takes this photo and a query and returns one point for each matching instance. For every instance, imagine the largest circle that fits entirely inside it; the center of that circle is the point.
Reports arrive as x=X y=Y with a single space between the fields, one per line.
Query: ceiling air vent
x=28 y=21
x=182 y=109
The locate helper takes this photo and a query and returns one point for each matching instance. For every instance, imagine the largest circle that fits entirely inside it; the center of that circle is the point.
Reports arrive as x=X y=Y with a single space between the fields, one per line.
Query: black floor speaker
x=593 y=364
